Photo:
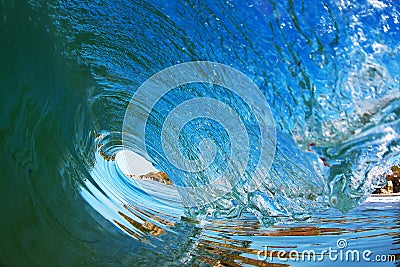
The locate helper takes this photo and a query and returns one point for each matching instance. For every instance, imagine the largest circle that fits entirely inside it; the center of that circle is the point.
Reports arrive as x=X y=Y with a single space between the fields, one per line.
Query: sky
x=131 y=163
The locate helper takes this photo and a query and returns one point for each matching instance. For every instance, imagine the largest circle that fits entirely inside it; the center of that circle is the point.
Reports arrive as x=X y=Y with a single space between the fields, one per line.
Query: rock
x=157 y=176
x=392 y=182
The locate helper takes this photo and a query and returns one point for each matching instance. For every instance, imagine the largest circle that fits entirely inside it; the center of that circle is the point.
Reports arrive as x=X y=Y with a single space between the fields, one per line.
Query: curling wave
x=328 y=70
x=334 y=102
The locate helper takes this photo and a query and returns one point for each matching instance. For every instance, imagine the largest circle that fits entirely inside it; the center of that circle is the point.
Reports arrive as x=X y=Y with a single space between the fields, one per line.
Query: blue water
x=329 y=71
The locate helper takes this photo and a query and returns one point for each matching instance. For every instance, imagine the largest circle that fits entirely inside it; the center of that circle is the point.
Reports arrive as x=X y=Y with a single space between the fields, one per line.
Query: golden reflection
x=254 y=228
x=218 y=246
x=145 y=227
x=227 y=254
x=148 y=214
x=104 y=154
x=127 y=230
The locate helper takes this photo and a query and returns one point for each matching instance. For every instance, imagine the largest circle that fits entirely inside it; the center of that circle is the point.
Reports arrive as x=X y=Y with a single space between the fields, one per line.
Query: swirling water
x=329 y=71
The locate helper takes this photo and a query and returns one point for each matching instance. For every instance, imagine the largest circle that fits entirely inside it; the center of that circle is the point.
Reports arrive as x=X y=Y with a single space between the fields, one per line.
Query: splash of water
x=332 y=89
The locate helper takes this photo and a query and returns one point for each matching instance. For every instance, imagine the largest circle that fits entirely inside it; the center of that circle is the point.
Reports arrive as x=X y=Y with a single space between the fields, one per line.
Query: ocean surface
x=327 y=74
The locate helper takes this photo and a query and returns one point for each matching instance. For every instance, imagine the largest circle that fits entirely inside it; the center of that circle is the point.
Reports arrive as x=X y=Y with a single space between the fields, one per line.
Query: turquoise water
x=329 y=71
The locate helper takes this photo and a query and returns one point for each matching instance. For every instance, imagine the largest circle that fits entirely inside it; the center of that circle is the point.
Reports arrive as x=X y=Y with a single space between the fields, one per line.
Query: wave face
x=329 y=73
